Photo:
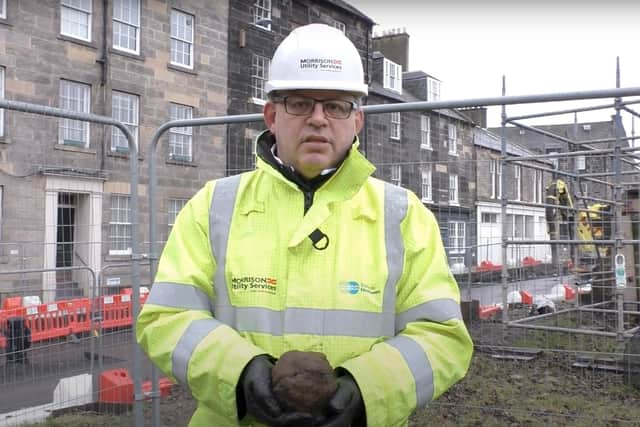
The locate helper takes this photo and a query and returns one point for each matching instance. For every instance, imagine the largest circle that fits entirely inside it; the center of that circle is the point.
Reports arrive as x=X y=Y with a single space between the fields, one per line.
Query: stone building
x=523 y=189
x=428 y=152
x=567 y=137
x=256 y=28
x=65 y=184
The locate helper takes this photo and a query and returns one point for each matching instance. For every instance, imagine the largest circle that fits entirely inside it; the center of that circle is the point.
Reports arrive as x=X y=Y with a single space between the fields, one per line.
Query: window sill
x=177 y=162
x=122 y=154
x=454 y=203
x=81 y=42
x=75 y=149
x=118 y=256
x=425 y=200
x=261 y=28
x=5 y=21
x=454 y=154
x=426 y=147
x=5 y=140
x=258 y=101
x=393 y=138
x=127 y=54
x=182 y=68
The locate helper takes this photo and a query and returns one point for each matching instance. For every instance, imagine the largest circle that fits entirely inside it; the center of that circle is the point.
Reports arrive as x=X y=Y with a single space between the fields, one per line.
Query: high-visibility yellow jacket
x=239 y=276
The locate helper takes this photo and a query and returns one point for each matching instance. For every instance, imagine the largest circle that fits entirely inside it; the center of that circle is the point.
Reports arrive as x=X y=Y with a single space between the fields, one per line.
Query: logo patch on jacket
x=354 y=288
x=254 y=284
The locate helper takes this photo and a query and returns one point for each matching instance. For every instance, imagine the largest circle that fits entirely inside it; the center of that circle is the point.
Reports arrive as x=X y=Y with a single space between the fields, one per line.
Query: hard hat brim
x=281 y=85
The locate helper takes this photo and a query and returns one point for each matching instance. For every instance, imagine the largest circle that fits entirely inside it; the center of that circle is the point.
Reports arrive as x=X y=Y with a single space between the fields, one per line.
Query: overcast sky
x=540 y=46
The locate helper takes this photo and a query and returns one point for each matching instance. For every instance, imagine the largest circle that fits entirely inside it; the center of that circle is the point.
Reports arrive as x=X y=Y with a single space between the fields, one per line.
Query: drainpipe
x=104 y=73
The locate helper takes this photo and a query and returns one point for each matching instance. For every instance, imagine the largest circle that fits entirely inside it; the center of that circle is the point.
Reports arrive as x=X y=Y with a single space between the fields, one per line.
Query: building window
x=75 y=19
x=126 y=25
x=581 y=163
x=453 y=189
x=427 y=195
x=529 y=227
x=175 y=206
x=3 y=9
x=74 y=97
x=392 y=76
x=262 y=14
x=495 y=170
x=433 y=89
x=489 y=218
x=259 y=76
x=425 y=132
x=395 y=125
x=124 y=108
x=182 y=38
x=1 y=97
x=538 y=189
x=396 y=175
x=340 y=25
x=452 y=140
x=457 y=241
x=120 y=225
x=180 y=138
x=517 y=175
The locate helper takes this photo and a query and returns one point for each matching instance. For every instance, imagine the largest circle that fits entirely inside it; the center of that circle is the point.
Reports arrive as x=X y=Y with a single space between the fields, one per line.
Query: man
x=308 y=252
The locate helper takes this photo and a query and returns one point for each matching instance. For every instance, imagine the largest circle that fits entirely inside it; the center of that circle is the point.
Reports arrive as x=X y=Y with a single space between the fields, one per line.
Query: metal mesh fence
x=548 y=313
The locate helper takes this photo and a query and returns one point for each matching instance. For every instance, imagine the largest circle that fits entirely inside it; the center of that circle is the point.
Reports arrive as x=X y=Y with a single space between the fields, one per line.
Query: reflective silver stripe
x=307 y=321
x=419 y=365
x=220 y=215
x=175 y=295
x=395 y=209
x=439 y=310
x=297 y=320
x=192 y=336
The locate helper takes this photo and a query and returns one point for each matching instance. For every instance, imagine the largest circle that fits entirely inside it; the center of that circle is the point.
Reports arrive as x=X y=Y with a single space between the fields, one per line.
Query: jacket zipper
x=308 y=200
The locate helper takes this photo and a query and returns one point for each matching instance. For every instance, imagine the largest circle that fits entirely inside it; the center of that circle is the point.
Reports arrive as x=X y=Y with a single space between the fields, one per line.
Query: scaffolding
x=613 y=179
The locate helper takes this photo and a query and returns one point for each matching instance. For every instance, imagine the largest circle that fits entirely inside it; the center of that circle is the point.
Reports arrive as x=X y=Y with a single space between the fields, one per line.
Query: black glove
x=345 y=408
x=254 y=396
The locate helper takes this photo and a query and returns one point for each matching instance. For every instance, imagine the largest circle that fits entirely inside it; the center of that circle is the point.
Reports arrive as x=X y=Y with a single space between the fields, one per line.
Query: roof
x=346 y=6
x=409 y=75
x=579 y=132
x=487 y=139
x=406 y=96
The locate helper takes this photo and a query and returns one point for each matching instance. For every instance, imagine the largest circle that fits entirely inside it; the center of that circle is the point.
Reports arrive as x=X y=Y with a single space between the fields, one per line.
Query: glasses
x=303 y=105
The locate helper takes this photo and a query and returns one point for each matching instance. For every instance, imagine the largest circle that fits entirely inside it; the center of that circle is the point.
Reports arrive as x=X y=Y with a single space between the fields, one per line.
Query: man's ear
x=359 y=121
x=269 y=114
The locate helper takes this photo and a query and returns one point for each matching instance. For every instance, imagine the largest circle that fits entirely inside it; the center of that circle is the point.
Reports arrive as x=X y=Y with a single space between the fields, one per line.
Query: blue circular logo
x=350 y=287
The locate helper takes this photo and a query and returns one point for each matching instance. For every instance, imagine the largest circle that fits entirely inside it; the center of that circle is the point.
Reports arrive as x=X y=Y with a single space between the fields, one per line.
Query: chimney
x=394 y=45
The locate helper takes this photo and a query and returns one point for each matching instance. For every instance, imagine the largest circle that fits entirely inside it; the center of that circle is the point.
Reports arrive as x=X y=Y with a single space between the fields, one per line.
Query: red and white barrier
x=558 y=293
x=62 y=318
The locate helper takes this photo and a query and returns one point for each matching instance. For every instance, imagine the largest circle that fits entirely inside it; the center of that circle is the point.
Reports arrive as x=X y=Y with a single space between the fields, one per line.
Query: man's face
x=314 y=141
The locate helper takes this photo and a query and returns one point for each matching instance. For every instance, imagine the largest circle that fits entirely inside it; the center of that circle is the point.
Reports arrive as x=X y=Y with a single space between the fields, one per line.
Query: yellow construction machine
x=566 y=221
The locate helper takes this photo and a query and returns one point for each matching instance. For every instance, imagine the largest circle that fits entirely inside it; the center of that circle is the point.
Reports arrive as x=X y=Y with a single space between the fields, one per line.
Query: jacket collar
x=347 y=179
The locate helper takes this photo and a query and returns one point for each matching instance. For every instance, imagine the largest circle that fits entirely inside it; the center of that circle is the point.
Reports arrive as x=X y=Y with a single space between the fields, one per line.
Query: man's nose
x=317 y=113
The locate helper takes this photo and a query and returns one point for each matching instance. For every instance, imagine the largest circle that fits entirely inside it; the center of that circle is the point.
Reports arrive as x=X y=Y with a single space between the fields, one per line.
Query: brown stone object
x=303 y=381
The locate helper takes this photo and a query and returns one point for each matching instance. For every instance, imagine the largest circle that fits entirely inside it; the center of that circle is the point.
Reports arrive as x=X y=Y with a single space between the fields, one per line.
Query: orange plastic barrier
x=527 y=298
x=62 y=318
x=11 y=303
x=116 y=311
x=530 y=261
x=79 y=311
x=116 y=386
x=569 y=292
x=48 y=321
x=486 y=266
x=487 y=312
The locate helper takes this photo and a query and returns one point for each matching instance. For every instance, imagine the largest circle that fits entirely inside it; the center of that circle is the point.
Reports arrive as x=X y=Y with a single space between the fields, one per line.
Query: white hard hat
x=316 y=56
